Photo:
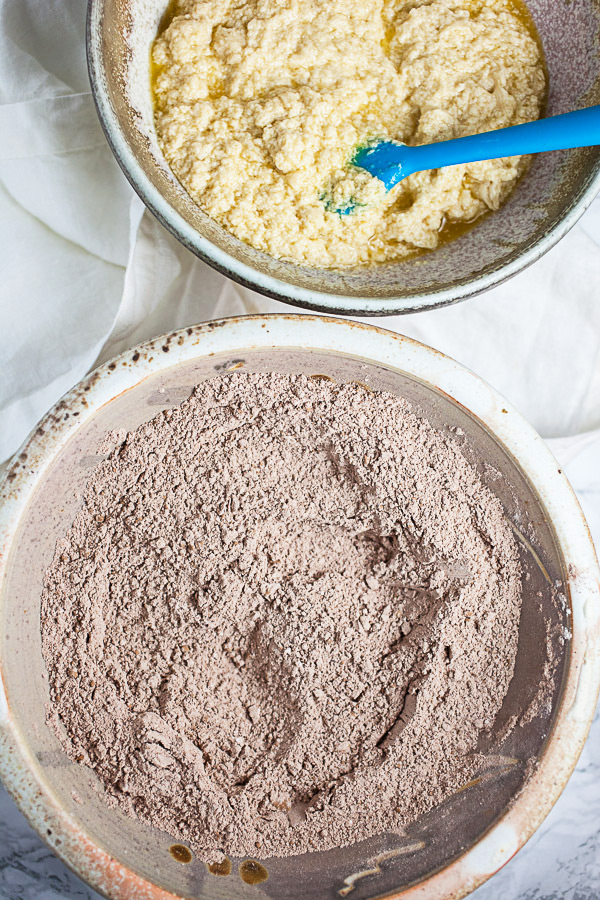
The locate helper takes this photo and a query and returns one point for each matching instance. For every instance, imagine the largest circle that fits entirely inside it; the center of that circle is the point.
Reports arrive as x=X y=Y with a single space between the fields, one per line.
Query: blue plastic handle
x=391 y=162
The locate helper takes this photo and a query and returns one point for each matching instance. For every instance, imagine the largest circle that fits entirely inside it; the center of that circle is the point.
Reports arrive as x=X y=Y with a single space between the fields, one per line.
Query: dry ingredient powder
x=282 y=617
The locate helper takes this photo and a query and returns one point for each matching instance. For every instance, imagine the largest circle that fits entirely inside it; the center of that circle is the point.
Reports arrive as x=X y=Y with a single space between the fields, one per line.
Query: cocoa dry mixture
x=282 y=618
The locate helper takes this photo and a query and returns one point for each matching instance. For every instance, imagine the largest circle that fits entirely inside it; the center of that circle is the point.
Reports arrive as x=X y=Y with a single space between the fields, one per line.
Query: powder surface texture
x=262 y=104
x=282 y=618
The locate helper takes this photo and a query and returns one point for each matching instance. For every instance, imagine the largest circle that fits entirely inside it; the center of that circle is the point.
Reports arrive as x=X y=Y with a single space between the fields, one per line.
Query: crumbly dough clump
x=261 y=103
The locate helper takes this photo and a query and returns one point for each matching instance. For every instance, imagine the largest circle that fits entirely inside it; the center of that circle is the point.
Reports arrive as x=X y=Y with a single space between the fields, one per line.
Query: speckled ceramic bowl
x=544 y=206
x=444 y=854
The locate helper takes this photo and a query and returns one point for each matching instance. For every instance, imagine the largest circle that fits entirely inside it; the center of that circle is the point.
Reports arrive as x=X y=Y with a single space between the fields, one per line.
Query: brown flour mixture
x=283 y=616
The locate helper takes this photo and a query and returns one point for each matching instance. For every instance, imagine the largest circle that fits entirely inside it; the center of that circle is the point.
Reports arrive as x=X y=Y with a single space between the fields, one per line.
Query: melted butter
x=156 y=70
x=181 y=853
x=167 y=17
x=521 y=12
x=388 y=37
x=450 y=231
x=220 y=868
x=216 y=87
x=252 y=872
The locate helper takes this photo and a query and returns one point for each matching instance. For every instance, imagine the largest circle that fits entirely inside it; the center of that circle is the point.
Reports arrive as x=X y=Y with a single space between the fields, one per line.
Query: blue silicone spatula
x=391 y=162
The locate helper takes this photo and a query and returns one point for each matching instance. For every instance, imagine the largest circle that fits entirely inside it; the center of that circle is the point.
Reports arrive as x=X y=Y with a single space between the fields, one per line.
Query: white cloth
x=87 y=272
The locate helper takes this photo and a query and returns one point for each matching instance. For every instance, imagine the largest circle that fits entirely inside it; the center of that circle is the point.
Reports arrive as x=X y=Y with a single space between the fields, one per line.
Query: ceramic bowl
x=459 y=844
x=544 y=206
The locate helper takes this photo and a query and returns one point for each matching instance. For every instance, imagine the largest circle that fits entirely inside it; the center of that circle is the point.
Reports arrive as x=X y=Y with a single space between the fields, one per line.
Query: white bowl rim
x=278 y=289
x=21 y=772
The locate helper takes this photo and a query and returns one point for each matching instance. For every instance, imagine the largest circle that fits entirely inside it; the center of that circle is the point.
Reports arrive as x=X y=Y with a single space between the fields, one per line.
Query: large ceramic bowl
x=544 y=206
x=446 y=853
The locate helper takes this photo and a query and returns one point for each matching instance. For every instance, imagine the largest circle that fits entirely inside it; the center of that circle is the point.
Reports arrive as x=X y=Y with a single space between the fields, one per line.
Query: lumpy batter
x=261 y=103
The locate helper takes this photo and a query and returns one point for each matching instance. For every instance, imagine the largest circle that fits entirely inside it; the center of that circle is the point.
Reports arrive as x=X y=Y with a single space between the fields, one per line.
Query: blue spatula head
x=384 y=160
x=365 y=180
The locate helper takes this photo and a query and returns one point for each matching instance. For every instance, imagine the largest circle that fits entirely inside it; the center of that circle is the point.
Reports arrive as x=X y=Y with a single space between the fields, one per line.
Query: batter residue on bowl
x=283 y=618
x=260 y=104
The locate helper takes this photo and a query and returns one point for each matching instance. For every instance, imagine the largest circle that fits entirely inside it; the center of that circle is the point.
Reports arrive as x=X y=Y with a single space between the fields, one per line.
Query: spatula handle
x=574 y=129
x=391 y=162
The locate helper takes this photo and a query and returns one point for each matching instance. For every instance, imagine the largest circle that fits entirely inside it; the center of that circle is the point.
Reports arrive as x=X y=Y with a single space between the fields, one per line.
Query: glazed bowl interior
x=388 y=862
x=544 y=205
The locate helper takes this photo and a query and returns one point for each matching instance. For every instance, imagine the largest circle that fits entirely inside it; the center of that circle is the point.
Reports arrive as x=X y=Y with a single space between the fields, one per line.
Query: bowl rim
x=22 y=773
x=277 y=288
